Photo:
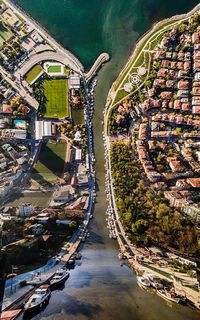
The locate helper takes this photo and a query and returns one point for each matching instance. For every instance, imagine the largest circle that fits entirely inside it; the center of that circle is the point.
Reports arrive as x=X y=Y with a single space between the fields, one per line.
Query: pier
x=104 y=57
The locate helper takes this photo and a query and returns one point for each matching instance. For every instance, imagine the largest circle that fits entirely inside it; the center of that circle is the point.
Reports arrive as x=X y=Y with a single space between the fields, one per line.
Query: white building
x=78 y=154
x=47 y=129
x=43 y=129
x=74 y=81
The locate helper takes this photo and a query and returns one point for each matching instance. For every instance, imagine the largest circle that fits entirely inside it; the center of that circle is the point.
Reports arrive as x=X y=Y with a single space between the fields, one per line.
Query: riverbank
x=144 y=43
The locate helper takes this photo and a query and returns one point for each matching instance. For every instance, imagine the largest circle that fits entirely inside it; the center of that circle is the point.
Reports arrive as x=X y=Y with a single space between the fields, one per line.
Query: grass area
x=163 y=27
x=78 y=116
x=5 y=34
x=33 y=73
x=50 y=164
x=159 y=271
x=120 y=95
x=52 y=69
x=56 y=98
x=40 y=199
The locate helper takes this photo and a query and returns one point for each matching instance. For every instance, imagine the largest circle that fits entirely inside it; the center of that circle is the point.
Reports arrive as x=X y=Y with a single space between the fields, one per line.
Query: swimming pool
x=19 y=124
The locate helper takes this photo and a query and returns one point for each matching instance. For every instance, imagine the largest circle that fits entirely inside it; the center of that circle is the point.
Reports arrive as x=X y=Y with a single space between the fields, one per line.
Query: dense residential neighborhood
x=167 y=137
x=152 y=123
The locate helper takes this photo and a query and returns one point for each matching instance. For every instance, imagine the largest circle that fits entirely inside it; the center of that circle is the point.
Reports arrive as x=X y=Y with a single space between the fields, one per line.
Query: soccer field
x=56 y=98
x=53 y=69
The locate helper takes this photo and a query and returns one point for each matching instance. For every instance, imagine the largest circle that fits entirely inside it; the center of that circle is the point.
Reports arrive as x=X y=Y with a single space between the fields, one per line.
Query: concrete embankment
x=104 y=57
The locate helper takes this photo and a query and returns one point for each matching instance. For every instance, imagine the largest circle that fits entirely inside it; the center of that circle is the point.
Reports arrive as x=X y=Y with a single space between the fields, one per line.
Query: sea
x=100 y=287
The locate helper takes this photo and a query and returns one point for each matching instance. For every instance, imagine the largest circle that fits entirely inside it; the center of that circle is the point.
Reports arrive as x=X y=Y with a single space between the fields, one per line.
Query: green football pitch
x=56 y=98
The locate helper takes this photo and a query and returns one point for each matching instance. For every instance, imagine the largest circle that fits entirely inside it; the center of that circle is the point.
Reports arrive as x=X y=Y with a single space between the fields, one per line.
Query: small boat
x=167 y=295
x=143 y=282
x=71 y=262
x=120 y=256
x=40 y=297
x=60 y=276
x=156 y=282
x=76 y=255
x=83 y=239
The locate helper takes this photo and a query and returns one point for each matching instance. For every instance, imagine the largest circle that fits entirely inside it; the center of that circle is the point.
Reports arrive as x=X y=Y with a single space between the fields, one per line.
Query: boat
x=60 y=276
x=40 y=297
x=83 y=239
x=168 y=295
x=10 y=315
x=155 y=281
x=143 y=282
x=71 y=262
x=76 y=255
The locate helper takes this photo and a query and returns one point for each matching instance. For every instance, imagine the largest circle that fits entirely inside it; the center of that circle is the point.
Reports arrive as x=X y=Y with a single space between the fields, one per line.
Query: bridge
x=104 y=57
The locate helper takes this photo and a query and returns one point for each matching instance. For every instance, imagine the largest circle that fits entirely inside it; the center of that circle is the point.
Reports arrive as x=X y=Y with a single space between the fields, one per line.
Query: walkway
x=104 y=57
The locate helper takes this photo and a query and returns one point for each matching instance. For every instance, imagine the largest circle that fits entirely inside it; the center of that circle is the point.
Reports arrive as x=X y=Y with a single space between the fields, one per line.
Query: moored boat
x=143 y=282
x=168 y=295
x=40 y=297
x=60 y=276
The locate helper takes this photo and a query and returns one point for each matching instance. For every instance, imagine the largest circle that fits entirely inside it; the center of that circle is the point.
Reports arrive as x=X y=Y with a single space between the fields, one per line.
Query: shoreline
x=133 y=264
x=16 y=8
x=140 y=42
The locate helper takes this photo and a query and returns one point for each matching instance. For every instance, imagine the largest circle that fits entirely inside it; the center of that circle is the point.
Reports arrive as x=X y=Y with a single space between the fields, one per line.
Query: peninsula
x=151 y=136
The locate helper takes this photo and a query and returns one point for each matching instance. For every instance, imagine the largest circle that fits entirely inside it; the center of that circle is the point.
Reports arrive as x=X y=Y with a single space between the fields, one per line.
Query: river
x=98 y=287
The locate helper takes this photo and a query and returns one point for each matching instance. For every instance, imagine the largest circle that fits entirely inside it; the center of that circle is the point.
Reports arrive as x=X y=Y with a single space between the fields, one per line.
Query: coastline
x=142 y=40
x=133 y=264
x=16 y=8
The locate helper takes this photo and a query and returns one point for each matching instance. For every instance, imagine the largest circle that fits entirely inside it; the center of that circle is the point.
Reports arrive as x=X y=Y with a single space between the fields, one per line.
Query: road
x=58 y=56
x=23 y=93
x=77 y=64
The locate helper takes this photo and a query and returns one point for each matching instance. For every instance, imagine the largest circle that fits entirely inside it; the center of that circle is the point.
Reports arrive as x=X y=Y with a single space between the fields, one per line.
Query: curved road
x=46 y=56
x=46 y=35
